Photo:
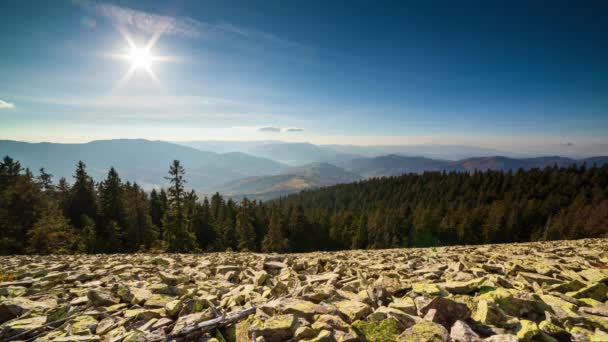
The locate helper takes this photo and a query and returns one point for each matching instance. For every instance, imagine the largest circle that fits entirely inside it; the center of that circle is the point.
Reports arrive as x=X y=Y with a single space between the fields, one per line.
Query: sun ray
x=125 y=79
x=141 y=58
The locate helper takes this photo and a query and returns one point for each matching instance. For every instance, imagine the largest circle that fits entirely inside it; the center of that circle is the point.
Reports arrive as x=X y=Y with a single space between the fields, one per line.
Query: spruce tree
x=113 y=215
x=178 y=234
x=244 y=228
x=82 y=198
x=52 y=233
x=45 y=180
x=360 y=237
x=142 y=233
x=299 y=236
x=274 y=240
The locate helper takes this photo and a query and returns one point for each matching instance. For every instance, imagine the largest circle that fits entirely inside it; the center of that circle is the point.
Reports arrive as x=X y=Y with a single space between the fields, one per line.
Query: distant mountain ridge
x=298 y=153
x=143 y=161
x=239 y=174
x=392 y=165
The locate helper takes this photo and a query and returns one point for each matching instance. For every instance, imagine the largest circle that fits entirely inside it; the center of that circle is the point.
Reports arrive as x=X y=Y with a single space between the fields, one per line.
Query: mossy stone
x=385 y=330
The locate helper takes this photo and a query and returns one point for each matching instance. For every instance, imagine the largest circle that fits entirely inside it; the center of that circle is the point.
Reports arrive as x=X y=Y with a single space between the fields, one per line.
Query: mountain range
x=261 y=170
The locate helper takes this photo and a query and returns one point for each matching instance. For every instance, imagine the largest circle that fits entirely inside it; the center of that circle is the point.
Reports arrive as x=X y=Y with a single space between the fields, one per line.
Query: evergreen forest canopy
x=40 y=216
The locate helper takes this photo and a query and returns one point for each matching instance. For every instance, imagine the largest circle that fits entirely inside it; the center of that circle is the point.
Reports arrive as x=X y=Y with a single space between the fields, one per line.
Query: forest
x=40 y=216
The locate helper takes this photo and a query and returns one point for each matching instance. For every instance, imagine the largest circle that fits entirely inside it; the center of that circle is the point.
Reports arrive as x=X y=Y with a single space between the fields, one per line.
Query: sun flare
x=140 y=58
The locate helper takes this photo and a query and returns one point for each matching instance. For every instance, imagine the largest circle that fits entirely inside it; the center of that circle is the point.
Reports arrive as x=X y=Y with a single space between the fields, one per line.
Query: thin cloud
x=155 y=24
x=6 y=105
x=568 y=144
x=294 y=129
x=269 y=129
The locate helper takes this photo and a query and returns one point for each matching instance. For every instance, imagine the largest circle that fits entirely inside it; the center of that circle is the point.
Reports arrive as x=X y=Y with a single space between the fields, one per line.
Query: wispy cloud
x=269 y=129
x=6 y=105
x=294 y=129
x=156 y=24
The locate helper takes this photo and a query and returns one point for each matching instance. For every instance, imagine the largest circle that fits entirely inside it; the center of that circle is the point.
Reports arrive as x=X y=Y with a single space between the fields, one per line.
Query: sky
x=516 y=75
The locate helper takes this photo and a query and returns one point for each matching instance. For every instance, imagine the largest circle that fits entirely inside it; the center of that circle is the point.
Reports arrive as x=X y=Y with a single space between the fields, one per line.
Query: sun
x=140 y=58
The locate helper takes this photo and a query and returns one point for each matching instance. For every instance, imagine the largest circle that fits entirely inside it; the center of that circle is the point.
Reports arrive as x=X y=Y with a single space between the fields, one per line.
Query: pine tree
x=113 y=226
x=202 y=227
x=52 y=233
x=9 y=170
x=82 y=198
x=178 y=234
x=45 y=180
x=157 y=207
x=274 y=240
x=244 y=228
x=20 y=203
x=142 y=233
x=360 y=237
x=297 y=230
x=88 y=237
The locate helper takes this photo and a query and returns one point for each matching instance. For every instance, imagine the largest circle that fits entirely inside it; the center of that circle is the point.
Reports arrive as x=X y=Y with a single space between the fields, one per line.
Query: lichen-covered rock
x=275 y=328
x=353 y=310
x=82 y=325
x=405 y=304
x=384 y=331
x=425 y=331
x=527 y=330
x=597 y=291
x=101 y=298
x=548 y=291
x=19 y=326
x=463 y=287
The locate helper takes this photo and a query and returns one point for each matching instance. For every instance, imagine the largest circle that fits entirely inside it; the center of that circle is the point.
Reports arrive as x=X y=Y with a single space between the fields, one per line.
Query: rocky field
x=549 y=291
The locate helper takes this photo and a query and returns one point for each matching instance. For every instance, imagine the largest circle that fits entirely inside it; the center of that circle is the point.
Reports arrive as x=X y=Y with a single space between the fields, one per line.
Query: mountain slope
x=392 y=165
x=293 y=180
x=299 y=153
x=143 y=161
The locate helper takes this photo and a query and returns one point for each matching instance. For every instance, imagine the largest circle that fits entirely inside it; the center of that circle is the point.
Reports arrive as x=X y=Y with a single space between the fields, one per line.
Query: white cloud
x=294 y=129
x=6 y=105
x=269 y=129
x=155 y=24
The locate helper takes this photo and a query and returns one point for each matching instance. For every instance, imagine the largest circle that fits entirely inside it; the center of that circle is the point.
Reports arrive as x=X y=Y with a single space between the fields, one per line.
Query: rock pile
x=549 y=291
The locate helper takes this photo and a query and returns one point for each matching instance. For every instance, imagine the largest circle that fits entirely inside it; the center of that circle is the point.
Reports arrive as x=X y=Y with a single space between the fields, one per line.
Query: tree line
x=40 y=216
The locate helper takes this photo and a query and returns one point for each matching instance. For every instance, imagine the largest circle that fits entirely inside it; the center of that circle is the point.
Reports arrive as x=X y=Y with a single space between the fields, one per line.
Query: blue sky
x=517 y=75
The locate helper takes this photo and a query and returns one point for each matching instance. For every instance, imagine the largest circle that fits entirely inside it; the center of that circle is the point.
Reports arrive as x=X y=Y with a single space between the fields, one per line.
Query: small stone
x=595 y=275
x=527 y=330
x=302 y=333
x=405 y=304
x=191 y=319
x=445 y=311
x=13 y=291
x=502 y=338
x=597 y=291
x=539 y=278
x=463 y=287
x=274 y=265
x=82 y=325
x=276 y=328
x=21 y=325
x=105 y=325
x=461 y=332
x=101 y=298
x=173 y=307
x=353 y=310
